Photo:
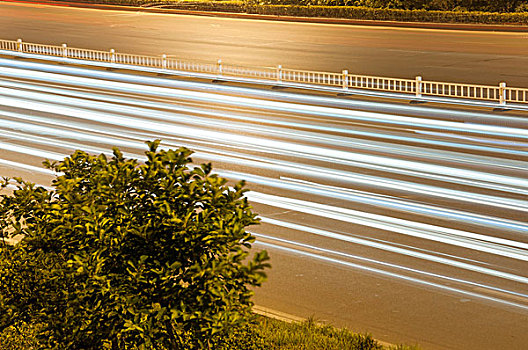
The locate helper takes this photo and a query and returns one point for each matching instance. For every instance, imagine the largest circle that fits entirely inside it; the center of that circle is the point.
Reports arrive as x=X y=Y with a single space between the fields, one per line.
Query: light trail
x=378 y=271
x=267 y=104
x=438 y=197
x=392 y=249
x=299 y=186
x=486 y=180
x=441 y=234
x=183 y=111
x=240 y=159
x=382 y=201
x=327 y=140
x=489 y=244
x=257 y=92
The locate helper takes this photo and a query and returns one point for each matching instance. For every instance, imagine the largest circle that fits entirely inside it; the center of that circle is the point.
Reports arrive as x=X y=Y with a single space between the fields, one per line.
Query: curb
x=278 y=315
x=322 y=20
x=339 y=91
x=289 y=318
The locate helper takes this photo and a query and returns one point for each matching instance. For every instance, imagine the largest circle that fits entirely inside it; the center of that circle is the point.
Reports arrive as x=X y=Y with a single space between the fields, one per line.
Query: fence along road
x=415 y=88
x=441 y=55
x=409 y=222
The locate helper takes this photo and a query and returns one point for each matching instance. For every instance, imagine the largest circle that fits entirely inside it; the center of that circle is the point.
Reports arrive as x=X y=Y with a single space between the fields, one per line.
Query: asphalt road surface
x=406 y=221
x=443 y=55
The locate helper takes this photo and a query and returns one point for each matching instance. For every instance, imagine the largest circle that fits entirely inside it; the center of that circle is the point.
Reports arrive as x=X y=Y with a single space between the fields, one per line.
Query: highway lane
x=409 y=222
x=443 y=55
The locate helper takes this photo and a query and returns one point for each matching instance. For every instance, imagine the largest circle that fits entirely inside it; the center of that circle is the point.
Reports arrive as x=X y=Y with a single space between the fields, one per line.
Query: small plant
x=522 y=7
x=124 y=255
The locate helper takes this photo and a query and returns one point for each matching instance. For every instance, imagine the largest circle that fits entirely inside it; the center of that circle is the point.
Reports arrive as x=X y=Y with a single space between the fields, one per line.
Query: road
x=443 y=55
x=406 y=221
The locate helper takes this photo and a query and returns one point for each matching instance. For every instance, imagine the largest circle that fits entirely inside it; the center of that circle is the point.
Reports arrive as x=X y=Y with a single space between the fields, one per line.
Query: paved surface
x=406 y=221
x=409 y=222
x=471 y=57
x=182 y=9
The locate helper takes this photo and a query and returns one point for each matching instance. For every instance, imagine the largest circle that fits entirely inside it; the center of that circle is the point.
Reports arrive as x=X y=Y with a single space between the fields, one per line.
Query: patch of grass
x=265 y=334
x=309 y=335
x=18 y=338
x=347 y=12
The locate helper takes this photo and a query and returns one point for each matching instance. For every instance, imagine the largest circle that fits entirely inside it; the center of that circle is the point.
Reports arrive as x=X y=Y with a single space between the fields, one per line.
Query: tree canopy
x=121 y=254
x=443 y=5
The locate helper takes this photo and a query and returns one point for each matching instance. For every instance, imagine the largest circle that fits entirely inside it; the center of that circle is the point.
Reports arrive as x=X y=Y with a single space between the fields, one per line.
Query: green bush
x=124 y=255
x=438 y=11
x=21 y=337
x=261 y=334
x=365 y=13
x=308 y=335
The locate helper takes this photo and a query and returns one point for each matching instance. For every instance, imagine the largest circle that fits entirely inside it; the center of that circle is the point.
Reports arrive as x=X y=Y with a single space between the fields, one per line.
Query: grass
x=347 y=12
x=272 y=334
x=309 y=335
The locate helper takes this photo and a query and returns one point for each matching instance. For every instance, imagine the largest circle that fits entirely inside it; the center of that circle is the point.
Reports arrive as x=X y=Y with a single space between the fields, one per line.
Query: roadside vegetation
x=121 y=254
x=436 y=11
x=127 y=255
x=261 y=334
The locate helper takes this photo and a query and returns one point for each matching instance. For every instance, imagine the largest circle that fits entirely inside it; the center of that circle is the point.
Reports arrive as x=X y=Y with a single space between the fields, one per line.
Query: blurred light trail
x=451 y=174
x=428 y=200
x=51 y=95
x=292 y=184
x=207 y=113
x=237 y=159
x=266 y=104
x=350 y=239
x=489 y=244
x=378 y=271
x=419 y=110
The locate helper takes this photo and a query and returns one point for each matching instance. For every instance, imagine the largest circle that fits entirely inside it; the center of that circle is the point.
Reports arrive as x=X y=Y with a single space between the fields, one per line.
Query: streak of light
x=267 y=104
x=426 y=231
x=242 y=159
x=392 y=249
x=210 y=154
x=81 y=100
x=487 y=180
x=32 y=168
x=398 y=204
x=380 y=201
x=381 y=272
x=489 y=244
x=257 y=92
x=291 y=184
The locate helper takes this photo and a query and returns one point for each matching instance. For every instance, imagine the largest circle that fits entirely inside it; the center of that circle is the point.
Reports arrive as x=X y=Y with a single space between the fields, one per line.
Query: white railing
x=416 y=87
x=385 y=84
x=516 y=95
x=310 y=77
x=9 y=45
x=246 y=72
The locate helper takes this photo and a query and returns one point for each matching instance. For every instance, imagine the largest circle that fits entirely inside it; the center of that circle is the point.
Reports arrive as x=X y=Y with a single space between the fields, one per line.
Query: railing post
x=164 y=61
x=279 y=73
x=219 y=67
x=345 y=79
x=418 y=86
x=19 y=45
x=112 y=56
x=64 y=50
x=502 y=93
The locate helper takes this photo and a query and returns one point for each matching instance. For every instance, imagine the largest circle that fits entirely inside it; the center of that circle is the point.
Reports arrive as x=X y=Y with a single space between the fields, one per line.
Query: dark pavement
x=406 y=221
x=444 y=55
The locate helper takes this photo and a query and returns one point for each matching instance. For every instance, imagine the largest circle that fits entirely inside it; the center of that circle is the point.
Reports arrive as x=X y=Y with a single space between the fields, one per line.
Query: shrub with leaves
x=121 y=254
